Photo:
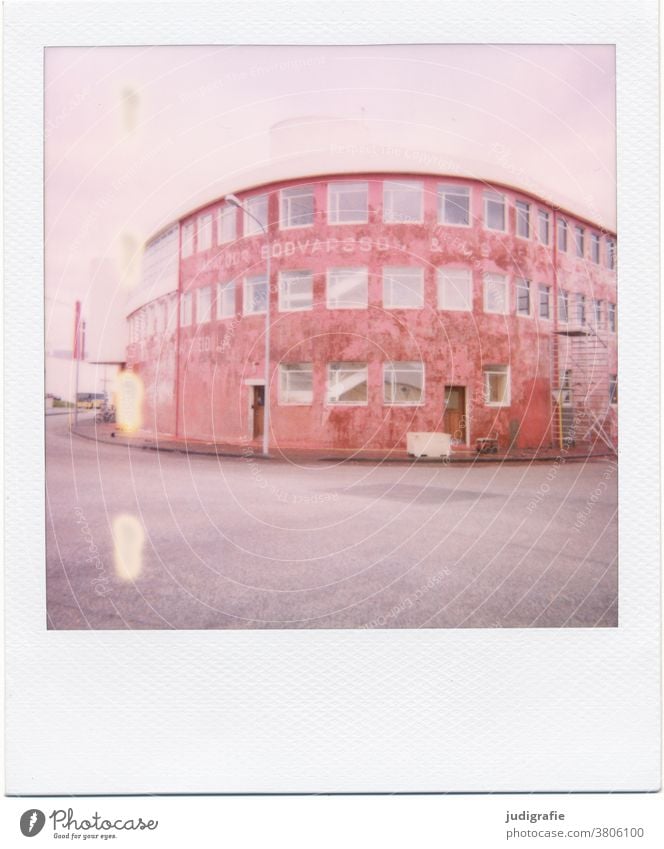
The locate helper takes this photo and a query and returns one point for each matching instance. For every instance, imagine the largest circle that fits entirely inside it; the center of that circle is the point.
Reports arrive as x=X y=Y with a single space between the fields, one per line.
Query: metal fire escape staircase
x=583 y=415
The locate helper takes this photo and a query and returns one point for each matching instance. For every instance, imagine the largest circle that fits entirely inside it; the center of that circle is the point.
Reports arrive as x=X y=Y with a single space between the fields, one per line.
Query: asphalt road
x=141 y=539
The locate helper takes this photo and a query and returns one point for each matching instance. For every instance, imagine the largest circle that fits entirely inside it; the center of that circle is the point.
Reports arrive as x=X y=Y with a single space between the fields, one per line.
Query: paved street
x=141 y=539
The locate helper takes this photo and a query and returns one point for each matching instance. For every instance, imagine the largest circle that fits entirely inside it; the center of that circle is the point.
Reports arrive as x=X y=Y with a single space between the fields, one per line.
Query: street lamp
x=235 y=201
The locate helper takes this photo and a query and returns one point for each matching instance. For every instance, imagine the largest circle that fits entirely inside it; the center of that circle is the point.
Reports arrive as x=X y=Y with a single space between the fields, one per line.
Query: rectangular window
x=347 y=383
x=297 y=207
x=545 y=301
x=581 y=309
x=227 y=224
x=579 y=241
x=204 y=242
x=347 y=289
x=613 y=389
x=203 y=304
x=562 y=234
x=257 y=206
x=454 y=205
x=543 y=226
x=494 y=210
x=610 y=254
x=497 y=386
x=403 y=288
x=563 y=306
x=522 y=296
x=403 y=383
x=187 y=248
x=611 y=315
x=185 y=309
x=522 y=219
x=255 y=294
x=597 y=313
x=296 y=383
x=402 y=201
x=348 y=202
x=495 y=294
x=566 y=388
x=226 y=299
x=455 y=289
x=296 y=290
x=594 y=247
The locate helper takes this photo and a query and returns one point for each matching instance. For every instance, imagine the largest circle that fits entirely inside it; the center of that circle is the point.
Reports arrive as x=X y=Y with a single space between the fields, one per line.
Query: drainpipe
x=555 y=338
x=177 y=334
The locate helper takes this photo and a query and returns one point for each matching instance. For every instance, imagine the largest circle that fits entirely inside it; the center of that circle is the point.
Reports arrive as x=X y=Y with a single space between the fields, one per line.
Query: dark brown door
x=258 y=406
x=454 y=419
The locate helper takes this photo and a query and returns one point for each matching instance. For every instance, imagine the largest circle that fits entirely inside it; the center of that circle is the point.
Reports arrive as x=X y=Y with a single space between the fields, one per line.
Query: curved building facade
x=398 y=303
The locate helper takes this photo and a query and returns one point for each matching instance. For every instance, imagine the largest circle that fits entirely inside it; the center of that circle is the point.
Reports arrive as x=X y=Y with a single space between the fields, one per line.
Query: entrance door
x=454 y=418
x=258 y=407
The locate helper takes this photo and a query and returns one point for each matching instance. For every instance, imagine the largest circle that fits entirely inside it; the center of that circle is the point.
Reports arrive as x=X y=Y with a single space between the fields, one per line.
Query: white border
x=314 y=711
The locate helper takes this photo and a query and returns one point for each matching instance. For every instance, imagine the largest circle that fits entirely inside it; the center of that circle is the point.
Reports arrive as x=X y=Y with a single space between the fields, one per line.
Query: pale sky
x=136 y=136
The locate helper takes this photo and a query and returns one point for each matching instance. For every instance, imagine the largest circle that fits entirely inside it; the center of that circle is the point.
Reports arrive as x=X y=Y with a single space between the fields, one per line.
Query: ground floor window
x=545 y=301
x=347 y=288
x=522 y=297
x=296 y=290
x=225 y=300
x=403 y=383
x=296 y=383
x=495 y=294
x=455 y=289
x=403 y=288
x=347 y=383
x=563 y=306
x=497 y=385
x=255 y=294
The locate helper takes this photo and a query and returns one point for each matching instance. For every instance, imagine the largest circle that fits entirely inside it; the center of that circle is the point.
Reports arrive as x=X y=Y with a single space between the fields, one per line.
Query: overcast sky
x=136 y=136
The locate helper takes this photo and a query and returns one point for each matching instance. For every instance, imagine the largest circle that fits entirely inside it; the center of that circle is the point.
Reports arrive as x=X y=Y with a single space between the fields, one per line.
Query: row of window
x=403 y=201
x=403 y=288
x=403 y=384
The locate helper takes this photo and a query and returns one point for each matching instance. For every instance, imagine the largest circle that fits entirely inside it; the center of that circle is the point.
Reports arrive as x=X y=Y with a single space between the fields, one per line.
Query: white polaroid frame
x=102 y=712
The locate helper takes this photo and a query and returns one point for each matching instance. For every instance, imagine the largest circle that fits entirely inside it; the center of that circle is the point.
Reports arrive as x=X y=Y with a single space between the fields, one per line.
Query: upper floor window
x=544 y=301
x=187 y=247
x=579 y=236
x=495 y=294
x=594 y=247
x=255 y=294
x=522 y=297
x=611 y=316
x=454 y=205
x=610 y=254
x=296 y=385
x=403 y=383
x=403 y=288
x=226 y=227
x=402 y=201
x=347 y=383
x=255 y=216
x=226 y=299
x=203 y=304
x=297 y=207
x=185 y=309
x=347 y=288
x=562 y=234
x=613 y=389
x=494 y=210
x=204 y=232
x=496 y=385
x=563 y=306
x=348 y=202
x=296 y=290
x=455 y=289
x=522 y=219
x=581 y=309
x=543 y=226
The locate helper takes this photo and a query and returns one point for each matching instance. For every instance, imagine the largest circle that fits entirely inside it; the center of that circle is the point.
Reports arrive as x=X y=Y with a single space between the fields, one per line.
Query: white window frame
x=391 y=275
x=288 y=276
x=543 y=289
x=564 y=229
x=222 y=291
x=204 y=232
x=447 y=274
x=494 y=277
x=579 y=232
x=250 y=281
x=445 y=189
x=521 y=207
x=610 y=254
x=489 y=370
x=611 y=316
x=597 y=311
x=542 y=218
x=595 y=249
x=613 y=385
x=519 y=284
x=187 y=246
x=286 y=369
x=495 y=197
x=336 y=368
x=186 y=309
x=227 y=220
x=392 y=188
x=335 y=191
x=332 y=303
x=199 y=292
x=563 y=295
x=580 y=302
x=390 y=369
x=250 y=225
x=285 y=206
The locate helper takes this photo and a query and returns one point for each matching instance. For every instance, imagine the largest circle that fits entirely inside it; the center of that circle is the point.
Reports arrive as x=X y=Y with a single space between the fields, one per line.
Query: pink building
x=398 y=303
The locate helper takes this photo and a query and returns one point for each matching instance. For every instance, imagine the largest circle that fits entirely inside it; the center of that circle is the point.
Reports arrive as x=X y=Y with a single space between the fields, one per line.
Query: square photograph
x=331 y=337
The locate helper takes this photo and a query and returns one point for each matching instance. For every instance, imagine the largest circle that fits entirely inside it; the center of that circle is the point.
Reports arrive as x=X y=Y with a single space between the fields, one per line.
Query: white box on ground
x=422 y=444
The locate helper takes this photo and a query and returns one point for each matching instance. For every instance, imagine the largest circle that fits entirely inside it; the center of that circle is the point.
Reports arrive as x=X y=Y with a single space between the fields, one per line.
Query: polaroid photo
x=333 y=464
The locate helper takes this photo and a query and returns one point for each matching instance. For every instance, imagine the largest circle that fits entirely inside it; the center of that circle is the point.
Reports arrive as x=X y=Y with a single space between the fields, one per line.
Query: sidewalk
x=108 y=434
